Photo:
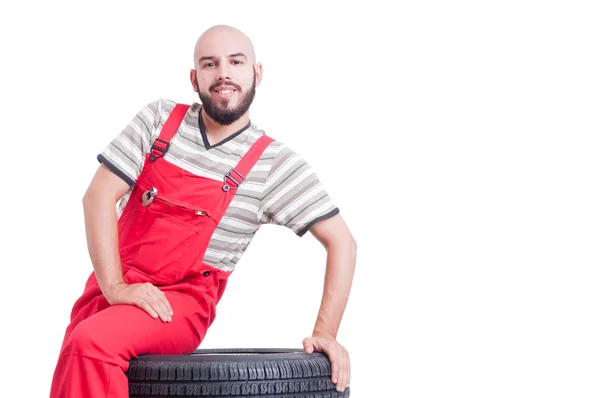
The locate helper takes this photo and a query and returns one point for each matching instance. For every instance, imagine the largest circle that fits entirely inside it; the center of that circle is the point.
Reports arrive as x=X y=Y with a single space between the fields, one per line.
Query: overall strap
x=246 y=163
x=162 y=143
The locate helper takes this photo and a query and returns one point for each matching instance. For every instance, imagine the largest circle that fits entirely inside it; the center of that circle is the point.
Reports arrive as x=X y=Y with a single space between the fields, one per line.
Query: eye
x=209 y=64
x=237 y=62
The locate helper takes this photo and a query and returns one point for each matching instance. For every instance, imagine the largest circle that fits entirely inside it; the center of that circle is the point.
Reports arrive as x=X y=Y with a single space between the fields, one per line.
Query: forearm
x=341 y=261
x=102 y=240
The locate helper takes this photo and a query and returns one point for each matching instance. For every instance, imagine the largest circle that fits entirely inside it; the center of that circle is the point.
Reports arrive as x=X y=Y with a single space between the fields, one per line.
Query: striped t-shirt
x=280 y=189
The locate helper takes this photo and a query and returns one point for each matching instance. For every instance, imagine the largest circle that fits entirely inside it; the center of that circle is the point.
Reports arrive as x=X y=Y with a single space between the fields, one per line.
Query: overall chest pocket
x=165 y=238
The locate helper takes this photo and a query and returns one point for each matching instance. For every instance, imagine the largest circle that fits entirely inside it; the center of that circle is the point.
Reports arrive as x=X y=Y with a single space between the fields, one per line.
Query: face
x=225 y=76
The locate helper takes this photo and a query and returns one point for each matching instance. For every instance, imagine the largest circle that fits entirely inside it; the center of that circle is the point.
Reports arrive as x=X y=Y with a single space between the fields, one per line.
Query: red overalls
x=163 y=234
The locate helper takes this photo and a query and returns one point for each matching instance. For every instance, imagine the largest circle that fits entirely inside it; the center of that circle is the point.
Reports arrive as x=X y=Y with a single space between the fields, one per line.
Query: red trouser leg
x=97 y=351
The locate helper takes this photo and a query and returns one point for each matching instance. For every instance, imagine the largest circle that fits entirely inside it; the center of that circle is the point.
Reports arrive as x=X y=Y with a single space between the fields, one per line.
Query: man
x=194 y=184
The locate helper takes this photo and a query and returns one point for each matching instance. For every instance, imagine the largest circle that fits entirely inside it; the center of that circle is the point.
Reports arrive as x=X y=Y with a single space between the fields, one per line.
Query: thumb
x=308 y=345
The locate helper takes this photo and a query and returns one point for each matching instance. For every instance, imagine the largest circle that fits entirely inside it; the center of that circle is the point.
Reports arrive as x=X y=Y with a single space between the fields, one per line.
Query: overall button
x=206 y=273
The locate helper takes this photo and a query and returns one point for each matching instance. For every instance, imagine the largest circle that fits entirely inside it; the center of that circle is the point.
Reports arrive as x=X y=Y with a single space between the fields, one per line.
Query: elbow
x=347 y=243
x=87 y=197
x=91 y=197
x=353 y=245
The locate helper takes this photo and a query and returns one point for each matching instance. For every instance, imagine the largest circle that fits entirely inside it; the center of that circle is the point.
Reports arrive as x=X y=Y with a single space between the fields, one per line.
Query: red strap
x=173 y=121
x=247 y=162
x=251 y=157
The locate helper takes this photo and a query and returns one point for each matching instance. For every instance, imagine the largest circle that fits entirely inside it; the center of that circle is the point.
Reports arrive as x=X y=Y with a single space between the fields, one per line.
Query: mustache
x=219 y=84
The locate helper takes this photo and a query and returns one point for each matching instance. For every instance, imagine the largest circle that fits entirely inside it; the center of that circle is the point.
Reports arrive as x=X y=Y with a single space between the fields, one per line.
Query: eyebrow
x=213 y=58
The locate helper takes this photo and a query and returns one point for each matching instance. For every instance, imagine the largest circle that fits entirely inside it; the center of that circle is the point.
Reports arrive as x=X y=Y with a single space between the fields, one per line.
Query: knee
x=84 y=342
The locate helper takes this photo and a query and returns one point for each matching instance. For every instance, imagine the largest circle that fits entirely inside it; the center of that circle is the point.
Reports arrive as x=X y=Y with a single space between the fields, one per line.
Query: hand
x=143 y=295
x=338 y=356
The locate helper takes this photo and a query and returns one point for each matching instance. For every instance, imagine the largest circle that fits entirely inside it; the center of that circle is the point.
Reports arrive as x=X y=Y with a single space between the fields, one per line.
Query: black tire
x=234 y=373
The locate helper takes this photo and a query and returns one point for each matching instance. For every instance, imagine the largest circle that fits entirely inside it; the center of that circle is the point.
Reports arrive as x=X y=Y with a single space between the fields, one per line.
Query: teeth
x=225 y=91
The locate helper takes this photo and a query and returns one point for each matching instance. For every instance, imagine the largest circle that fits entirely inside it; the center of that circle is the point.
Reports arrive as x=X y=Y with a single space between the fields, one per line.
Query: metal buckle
x=148 y=196
x=227 y=187
x=161 y=151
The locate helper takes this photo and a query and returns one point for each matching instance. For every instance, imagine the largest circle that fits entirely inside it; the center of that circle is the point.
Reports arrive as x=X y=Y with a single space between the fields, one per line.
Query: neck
x=218 y=131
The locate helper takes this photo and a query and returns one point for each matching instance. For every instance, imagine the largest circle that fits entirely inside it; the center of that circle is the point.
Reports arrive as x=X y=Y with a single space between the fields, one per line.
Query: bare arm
x=335 y=236
x=101 y=231
x=99 y=203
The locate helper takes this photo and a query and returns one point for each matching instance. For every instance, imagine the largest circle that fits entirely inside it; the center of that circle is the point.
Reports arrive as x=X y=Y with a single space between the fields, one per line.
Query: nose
x=224 y=70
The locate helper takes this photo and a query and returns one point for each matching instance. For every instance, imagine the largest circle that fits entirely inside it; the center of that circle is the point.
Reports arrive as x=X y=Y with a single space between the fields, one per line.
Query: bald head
x=225 y=74
x=225 y=38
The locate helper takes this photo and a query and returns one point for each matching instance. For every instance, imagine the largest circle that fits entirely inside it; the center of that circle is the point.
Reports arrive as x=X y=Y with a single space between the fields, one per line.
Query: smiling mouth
x=224 y=91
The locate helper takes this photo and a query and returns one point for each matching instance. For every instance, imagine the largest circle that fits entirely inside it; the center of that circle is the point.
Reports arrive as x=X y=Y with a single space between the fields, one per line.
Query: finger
x=162 y=297
x=345 y=378
x=335 y=370
x=341 y=375
x=141 y=303
x=153 y=299
x=159 y=307
x=166 y=301
x=308 y=346
x=349 y=370
x=341 y=379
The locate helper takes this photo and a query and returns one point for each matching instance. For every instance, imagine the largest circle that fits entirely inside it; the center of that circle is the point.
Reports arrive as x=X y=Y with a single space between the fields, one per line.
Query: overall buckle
x=157 y=151
x=227 y=187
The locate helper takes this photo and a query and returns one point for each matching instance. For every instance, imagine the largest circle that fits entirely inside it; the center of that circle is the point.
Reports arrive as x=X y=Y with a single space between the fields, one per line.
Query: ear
x=193 y=79
x=258 y=71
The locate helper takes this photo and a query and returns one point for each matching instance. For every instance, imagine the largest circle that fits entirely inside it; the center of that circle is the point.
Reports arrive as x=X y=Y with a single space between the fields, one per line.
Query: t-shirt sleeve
x=294 y=196
x=125 y=154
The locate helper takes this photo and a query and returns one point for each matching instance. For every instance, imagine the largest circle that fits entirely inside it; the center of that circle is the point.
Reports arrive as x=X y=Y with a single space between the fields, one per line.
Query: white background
x=459 y=139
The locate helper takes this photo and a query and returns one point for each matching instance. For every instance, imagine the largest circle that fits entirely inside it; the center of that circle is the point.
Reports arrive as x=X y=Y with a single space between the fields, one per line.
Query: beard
x=218 y=109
